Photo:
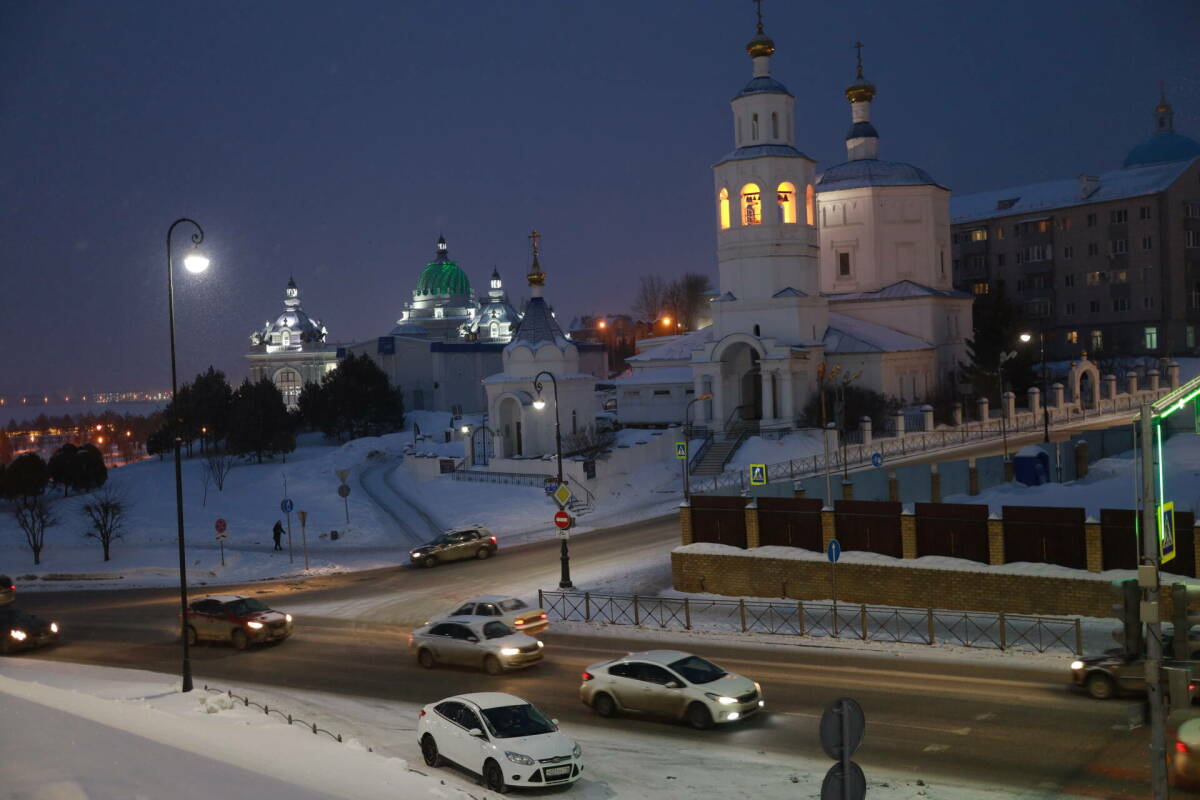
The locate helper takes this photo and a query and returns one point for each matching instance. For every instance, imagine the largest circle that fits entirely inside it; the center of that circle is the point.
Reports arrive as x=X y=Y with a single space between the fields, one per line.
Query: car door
x=440 y=640
x=204 y=617
x=449 y=735
x=625 y=686
x=487 y=610
x=459 y=645
x=472 y=746
x=658 y=699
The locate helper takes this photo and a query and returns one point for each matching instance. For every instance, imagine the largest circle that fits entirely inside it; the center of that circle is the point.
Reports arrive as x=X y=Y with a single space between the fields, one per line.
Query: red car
x=236 y=619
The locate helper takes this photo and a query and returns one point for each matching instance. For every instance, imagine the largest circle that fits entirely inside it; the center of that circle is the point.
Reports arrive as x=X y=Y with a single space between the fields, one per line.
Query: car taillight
x=1180 y=747
x=493 y=538
x=518 y=622
x=541 y=616
x=421 y=714
x=587 y=676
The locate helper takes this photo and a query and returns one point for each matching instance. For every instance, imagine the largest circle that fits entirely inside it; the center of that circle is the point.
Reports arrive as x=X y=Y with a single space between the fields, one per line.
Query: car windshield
x=697 y=670
x=496 y=630
x=509 y=722
x=246 y=605
x=443 y=539
x=512 y=604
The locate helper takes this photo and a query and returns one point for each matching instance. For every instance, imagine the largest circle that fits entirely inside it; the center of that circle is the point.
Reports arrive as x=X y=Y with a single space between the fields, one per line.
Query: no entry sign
x=562 y=519
x=220 y=526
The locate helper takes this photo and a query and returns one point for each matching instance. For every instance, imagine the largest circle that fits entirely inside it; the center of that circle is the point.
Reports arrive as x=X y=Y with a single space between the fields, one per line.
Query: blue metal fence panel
x=991 y=471
x=914 y=483
x=956 y=478
x=871 y=484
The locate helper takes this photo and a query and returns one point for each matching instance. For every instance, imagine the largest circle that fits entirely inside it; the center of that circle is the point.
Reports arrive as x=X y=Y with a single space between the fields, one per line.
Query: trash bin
x=1031 y=466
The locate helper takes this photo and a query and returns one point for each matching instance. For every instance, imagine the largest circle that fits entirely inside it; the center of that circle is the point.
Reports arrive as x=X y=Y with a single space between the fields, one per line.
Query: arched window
x=785 y=195
x=754 y=127
x=723 y=208
x=810 y=205
x=495 y=330
x=757 y=331
x=751 y=205
x=774 y=125
x=285 y=338
x=287 y=381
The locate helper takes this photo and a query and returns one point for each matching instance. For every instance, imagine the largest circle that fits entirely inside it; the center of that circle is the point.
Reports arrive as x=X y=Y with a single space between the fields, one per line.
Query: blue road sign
x=835 y=551
x=758 y=474
x=286 y=506
x=876 y=459
x=681 y=450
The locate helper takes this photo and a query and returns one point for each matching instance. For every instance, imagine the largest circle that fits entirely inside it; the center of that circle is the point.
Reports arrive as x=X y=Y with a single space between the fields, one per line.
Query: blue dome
x=873 y=172
x=862 y=130
x=1162 y=147
x=762 y=85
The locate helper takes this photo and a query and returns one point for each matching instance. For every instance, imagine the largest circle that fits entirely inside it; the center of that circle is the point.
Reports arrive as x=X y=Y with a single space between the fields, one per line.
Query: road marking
x=937 y=748
x=954 y=731
x=984 y=716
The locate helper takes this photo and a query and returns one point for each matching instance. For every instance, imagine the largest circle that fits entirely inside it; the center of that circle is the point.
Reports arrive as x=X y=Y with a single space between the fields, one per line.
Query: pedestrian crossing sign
x=758 y=474
x=681 y=450
x=1166 y=532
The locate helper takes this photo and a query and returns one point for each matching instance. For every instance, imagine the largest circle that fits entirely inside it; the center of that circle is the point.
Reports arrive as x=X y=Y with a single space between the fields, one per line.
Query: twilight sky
x=335 y=141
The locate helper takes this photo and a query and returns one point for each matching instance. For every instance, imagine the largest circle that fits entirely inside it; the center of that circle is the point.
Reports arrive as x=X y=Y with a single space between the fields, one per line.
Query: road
x=985 y=721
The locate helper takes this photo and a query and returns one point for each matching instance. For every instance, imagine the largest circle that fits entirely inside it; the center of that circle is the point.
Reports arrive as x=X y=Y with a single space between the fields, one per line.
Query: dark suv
x=1116 y=672
x=471 y=542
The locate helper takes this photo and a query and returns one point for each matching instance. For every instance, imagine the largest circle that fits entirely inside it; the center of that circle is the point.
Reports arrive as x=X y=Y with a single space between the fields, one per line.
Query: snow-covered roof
x=788 y=291
x=679 y=348
x=872 y=172
x=899 y=290
x=762 y=84
x=849 y=335
x=660 y=375
x=762 y=151
x=538 y=326
x=1066 y=192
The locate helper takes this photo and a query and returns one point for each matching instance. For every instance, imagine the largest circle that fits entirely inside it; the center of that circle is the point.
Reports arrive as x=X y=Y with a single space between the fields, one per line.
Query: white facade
x=291 y=351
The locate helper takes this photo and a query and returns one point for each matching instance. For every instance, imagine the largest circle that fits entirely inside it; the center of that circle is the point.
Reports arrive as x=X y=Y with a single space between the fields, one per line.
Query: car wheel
x=429 y=561
x=483 y=553
x=239 y=639
x=425 y=658
x=492 y=665
x=429 y=751
x=1100 y=686
x=493 y=777
x=604 y=705
x=191 y=636
x=699 y=717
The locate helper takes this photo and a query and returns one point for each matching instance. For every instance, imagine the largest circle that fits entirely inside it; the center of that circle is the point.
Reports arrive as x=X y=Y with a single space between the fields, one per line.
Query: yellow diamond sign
x=562 y=494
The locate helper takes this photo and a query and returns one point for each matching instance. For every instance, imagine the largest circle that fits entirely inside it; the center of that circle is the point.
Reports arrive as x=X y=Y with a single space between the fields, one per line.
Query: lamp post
x=687 y=436
x=1009 y=356
x=1026 y=338
x=194 y=262
x=565 y=581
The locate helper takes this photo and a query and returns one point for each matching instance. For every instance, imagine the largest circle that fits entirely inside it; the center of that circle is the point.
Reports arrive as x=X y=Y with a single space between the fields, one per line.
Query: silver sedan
x=474 y=642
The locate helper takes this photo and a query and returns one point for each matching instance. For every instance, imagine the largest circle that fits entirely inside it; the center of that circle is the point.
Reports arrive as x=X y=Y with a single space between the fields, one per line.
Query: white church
x=848 y=268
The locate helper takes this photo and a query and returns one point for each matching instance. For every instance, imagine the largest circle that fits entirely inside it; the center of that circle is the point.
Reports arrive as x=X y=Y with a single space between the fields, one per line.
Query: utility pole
x=1150 y=556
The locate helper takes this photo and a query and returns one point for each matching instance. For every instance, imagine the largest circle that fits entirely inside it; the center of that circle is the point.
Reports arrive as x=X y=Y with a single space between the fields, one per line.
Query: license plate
x=558 y=772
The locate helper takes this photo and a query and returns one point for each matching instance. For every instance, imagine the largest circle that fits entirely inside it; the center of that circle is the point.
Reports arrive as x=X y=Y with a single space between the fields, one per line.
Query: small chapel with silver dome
x=291 y=351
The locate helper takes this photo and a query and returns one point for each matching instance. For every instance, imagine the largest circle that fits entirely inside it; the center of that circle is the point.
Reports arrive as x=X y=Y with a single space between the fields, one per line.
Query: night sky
x=335 y=141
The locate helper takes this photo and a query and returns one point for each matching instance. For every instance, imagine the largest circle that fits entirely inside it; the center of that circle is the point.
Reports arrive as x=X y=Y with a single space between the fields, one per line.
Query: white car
x=499 y=737
x=512 y=611
x=673 y=684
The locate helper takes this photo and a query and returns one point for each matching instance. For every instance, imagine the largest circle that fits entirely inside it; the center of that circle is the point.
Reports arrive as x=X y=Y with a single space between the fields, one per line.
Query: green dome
x=443 y=277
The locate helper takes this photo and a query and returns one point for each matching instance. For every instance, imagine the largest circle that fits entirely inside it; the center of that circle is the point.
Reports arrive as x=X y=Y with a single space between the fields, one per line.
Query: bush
x=860 y=402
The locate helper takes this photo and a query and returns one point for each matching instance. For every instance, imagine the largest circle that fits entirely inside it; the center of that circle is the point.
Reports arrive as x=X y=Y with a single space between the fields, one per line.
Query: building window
x=1119 y=276
x=1146 y=274
x=287 y=381
x=1093 y=249
x=1191 y=210
x=1118 y=247
x=1065 y=223
x=1097 y=340
x=1147 y=242
x=810 y=204
x=1069 y=280
x=1096 y=278
x=1072 y=337
x=751 y=205
x=1042 y=226
x=977 y=263
x=575 y=419
x=1144 y=212
x=1091 y=220
x=785 y=195
x=723 y=208
x=979 y=235
x=1148 y=303
x=1000 y=230
x=843 y=264
x=285 y=338
x=1094 y=306
x=1068 y=253
x=774 y=125
x=1189 y=336
x=1120 y=304
x=955 y=264
x=981 y=288
x=1000 y=259
x=754 y=127
x=1070 y=309
x=1151 y=336
x=657 y=393
x=1191 y=238
x=1118 y=215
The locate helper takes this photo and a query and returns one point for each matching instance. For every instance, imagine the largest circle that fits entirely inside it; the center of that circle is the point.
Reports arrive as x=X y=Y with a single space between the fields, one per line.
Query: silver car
x=474 y=642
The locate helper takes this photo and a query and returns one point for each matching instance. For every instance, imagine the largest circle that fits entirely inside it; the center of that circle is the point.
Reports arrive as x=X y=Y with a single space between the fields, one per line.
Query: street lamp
x=565 y=581
x=1027 y=338
x=1009 y=356
x=687 y=436
x=194 y=262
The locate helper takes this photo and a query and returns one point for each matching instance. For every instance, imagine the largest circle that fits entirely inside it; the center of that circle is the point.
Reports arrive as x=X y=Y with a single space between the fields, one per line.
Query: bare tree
x=106 y=512
x=217 y=464
x=650 y=300
x=588 y=442
x=688 y=298
x=34 y=515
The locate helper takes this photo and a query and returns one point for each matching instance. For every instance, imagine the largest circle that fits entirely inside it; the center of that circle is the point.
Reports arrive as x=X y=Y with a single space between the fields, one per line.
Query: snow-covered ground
x=96 y=732
x=757 y=450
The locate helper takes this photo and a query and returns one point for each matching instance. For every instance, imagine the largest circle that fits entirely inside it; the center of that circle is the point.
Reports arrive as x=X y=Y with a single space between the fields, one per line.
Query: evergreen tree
x=90 y=471
x=63 y=467
x=6 y=448
x=356 y=399
x=259 y=423
x=995 y=333
x=211 y=399
x=26 y=477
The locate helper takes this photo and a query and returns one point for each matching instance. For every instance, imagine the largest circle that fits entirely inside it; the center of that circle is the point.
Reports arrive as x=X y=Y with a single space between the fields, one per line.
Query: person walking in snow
x=277 y=532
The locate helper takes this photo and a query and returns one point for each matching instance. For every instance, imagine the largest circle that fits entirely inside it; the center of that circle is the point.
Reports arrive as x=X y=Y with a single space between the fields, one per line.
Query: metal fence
x=267 y=710
x=833 y=620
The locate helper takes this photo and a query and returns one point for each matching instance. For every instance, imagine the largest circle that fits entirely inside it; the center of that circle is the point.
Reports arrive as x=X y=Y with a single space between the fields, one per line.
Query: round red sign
x=562 y=519
x=220 y=526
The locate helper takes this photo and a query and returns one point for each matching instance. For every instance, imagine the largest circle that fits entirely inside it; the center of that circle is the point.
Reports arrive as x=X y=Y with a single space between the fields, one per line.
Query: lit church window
x=723 y=208
x=786 y=197
x=285 y=338
x=751 y=205
x=810 y=205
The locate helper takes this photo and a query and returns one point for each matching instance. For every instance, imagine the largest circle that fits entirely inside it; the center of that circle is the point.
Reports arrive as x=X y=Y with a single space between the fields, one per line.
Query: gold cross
x=758 y=10
x=859 y=46
x=533 y=239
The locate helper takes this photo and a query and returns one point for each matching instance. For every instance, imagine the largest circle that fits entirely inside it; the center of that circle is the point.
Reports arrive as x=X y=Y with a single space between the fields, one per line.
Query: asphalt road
x=988 y=721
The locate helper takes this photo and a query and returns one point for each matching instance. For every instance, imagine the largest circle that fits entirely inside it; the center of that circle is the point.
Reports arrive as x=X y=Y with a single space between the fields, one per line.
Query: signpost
x=1166 y=532
x=758 y=474
x=344 y=491
x=876 y=460
x=304 y=536
x=842 y=728
x=286 y=506
x=221 y=526
x=562 y=519
x=834 y=553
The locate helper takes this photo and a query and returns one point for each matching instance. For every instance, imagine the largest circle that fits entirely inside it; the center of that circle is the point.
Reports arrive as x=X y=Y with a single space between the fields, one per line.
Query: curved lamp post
x=565 y=581
x=687 y=435
x=1009 y=356
x=193 y=262
x=1026 y=338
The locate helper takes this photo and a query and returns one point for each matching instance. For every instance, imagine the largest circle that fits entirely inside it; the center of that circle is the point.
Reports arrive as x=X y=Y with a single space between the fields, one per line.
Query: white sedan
x=500 y=737
x=512 y=611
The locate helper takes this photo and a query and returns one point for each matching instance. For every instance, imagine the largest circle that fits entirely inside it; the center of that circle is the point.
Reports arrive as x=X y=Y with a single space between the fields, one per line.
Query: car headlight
x=1076 y=665
x=54 y=627
x=519 y=758
x=758 y=687
x=17 y=634
x=577 y=751
x=541 y=643
x=509 y=651
x=253 y=625
x=722 y=699
x=288 y=617
x=414 y=555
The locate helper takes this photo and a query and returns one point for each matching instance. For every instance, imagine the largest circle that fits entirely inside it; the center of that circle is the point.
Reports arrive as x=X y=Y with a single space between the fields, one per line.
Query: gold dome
x=861 y=91
x=761 y=44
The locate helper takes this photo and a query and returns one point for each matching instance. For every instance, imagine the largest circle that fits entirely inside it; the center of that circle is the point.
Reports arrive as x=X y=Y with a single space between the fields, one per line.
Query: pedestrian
x=277 y=532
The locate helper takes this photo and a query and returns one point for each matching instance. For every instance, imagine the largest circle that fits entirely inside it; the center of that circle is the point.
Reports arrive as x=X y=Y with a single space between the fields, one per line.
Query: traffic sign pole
x=304 y=537
x=286 y=506
x=834 y=553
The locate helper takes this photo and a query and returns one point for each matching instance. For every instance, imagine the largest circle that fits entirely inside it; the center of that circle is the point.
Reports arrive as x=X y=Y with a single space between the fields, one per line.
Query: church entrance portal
x=510 y=426
x=482 y=446
x=741 y=383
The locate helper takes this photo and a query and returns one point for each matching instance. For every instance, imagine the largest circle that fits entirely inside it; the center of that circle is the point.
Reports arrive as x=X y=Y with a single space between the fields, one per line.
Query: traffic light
x=1184 y=619
x=1180 y=689
x=1127 y=609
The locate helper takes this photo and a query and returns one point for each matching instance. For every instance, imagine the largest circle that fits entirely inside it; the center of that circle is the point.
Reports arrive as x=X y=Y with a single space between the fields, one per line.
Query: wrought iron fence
x=833 y=620
x=511 y=478
x=285 y=716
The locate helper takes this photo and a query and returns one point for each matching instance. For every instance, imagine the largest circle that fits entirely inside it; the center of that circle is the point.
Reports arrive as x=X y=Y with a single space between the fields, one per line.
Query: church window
x=751 y=205
x=739 y=130
x=287 y=381
x=785 y=195
x=723 y=208
x=810 y=205
x=754 y=127
x=574 y=421
x=285 y=339
x=844 y=265
x=757 y=331
x=774 y=125
x=942 y=262
x=1097 y=340
x=495 y=330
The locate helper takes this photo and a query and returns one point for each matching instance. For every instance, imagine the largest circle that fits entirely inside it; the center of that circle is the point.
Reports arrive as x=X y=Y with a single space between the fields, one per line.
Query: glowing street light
x=195 y=262
x=539 y=404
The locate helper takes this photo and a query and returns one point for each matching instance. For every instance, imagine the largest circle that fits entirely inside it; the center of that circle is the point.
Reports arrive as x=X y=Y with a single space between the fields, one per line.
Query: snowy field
x=97 y=732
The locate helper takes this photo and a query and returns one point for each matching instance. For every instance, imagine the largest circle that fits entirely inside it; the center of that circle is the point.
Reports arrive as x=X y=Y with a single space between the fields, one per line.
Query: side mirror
x=671 y=685
x=554 y=722
x=472 y=638
x=475 y=732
